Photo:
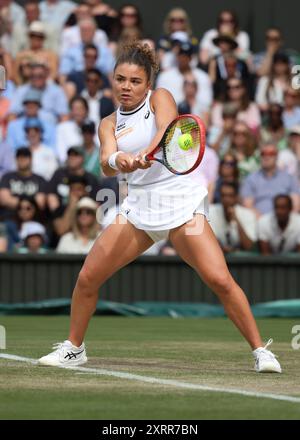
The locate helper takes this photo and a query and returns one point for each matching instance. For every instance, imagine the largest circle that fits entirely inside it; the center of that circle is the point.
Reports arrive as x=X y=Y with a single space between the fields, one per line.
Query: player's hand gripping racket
x=182 y=146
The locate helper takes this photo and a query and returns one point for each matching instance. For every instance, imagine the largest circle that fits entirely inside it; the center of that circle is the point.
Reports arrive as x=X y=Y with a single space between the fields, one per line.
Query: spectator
x=260 y=188
x=26 y=211
x=191 y=104
x=24 y=73
x=228 y=173
x=75 y=82
x=16 y=134
x=177 y=29
x=99 y=105
x=36 y=52
x=56 y=12
x=3 y=238
x=22 y=182
x=58 y=187
x=34 y=239
x=7 y=162
x=84 y=229
x=262 y=61
x=14 y=12
x=91 y=150
x=62 y=216
x=73 y=60
x=289 y=159
x=273 y=129
x=244 y=146
x=71 y=35
x=44 y=161
x=69 y=132
x=279 y=231
x=20 y=31
x=270 y=89
x=6 y=60
x=228 y=23
x=233 y=225
x=53 y=99
x=220 y=138
x=173 y=79
x=248 y=112
x=291 y=113
x=105 y=16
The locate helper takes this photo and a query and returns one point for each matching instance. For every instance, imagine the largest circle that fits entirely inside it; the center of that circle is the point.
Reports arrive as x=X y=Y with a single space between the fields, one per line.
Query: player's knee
x=222 y=283
x=86 y=282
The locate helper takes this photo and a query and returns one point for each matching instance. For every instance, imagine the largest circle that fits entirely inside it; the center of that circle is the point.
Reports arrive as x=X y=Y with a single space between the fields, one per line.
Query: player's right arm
x=125 y=162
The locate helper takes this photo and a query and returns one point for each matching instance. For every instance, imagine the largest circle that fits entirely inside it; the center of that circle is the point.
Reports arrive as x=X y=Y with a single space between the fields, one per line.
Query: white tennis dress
x=157 y=200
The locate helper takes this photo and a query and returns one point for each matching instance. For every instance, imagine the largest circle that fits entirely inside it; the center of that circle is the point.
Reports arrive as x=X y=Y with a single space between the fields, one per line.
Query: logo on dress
x=147 y=114
x=127 y=211
x=121 y=126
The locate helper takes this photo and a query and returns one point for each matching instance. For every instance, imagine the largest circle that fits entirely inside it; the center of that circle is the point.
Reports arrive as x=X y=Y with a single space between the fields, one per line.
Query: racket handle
x=145 y=158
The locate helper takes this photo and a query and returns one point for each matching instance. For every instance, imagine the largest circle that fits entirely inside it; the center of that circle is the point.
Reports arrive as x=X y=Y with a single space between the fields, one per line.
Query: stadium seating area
x=59 y=59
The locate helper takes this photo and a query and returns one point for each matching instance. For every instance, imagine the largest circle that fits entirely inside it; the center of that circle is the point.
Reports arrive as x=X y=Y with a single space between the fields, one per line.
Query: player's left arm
x=164 y=107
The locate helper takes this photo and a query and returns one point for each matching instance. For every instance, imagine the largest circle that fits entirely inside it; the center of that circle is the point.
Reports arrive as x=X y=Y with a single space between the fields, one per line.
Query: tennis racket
x=182 y=146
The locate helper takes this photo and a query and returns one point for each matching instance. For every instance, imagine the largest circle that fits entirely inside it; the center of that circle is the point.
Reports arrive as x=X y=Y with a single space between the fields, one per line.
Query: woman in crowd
x=273 y=129
x=228 y=172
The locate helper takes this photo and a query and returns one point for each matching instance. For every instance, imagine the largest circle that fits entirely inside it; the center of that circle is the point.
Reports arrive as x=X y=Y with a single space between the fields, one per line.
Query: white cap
x=88 y=203
x=37 y=27
x=181 y=36
x=32 y=228
x=295 y=129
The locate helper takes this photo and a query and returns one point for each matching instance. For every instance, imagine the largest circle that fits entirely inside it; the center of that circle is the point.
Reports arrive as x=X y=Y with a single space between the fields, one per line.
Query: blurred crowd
x=59 y=58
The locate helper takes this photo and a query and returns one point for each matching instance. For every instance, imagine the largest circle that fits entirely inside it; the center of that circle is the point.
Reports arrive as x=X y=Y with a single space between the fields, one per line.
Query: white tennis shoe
x=265 y=360
x=65 y=354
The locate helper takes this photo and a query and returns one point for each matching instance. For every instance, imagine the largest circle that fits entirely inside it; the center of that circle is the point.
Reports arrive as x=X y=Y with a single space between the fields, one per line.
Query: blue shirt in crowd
x=16 y=135
x=263 y=188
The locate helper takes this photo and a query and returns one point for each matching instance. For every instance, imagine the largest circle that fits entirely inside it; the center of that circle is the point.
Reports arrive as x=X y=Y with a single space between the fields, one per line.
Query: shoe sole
x=69 y=364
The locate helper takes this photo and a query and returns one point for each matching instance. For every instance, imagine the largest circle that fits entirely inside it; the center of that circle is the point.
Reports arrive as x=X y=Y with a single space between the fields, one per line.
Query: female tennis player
x=148 y=214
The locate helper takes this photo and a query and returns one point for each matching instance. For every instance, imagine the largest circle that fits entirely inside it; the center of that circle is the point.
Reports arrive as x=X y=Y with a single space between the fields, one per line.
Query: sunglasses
x=291 y=95
x=86 y=212
x=38 y=77
x=92 y=80
x=25 y=208
x=240 y=133
x=177 y=19
x=190 y=83
x=229 y=163
x=269 y=38
x=236 y=87
x=129 y=14
x=226 y=20
x=268 y=153
x=89 y=55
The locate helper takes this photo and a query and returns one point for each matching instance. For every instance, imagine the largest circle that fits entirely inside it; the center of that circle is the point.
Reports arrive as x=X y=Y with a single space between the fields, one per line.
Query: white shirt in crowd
x=265 y=96
x=279 y=241
x=227 y=233
x=287 y=161
x=69 y=244
x=173 y=80
x=44 y=162
x=242 y=39
x=71 y=37
x=68 y=135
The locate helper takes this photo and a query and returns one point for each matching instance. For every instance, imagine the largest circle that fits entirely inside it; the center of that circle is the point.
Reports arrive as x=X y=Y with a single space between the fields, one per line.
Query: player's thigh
x=197 y=245
x=118 y=245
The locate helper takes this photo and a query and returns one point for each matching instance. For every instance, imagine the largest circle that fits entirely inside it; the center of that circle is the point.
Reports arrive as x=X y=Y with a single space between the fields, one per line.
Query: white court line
x=154 y=380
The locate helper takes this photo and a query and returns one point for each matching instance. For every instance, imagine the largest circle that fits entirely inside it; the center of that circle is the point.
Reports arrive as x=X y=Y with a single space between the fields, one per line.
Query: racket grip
x=145 y=158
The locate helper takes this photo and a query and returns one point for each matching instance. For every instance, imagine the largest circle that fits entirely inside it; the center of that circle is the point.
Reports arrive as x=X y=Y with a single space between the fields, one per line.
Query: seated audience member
x=24 y=73
x=233 y=225
x=273 y=130
x=7 y=160
x=262 y=62
x=3 y=238
x=34 y=239
x=260 y=188
x=59 y=185
x=244 y=147
x=237 y=94
x=220 y=138
x=16 y=134
x=177 y=29
x=62 y=216
x=53 y=100
x=99 y=105
x=44 y=161
x=56 y=12
x=91 y=150
x=73 y=59
x=84 y=229
x=291 y=112
x=69 y=132
x=20 y=31
x=22 y=182
x=279 y=232
x=227 y=23
x=36 y=52
x=26 y=211
x=173 y=79
x=289 y=159
x=191 y=104
x=271 y=88
x=76 y=81
x=228 y=173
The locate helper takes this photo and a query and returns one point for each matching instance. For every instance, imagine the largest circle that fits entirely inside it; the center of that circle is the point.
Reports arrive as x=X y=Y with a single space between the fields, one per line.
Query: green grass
x=203 y=351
